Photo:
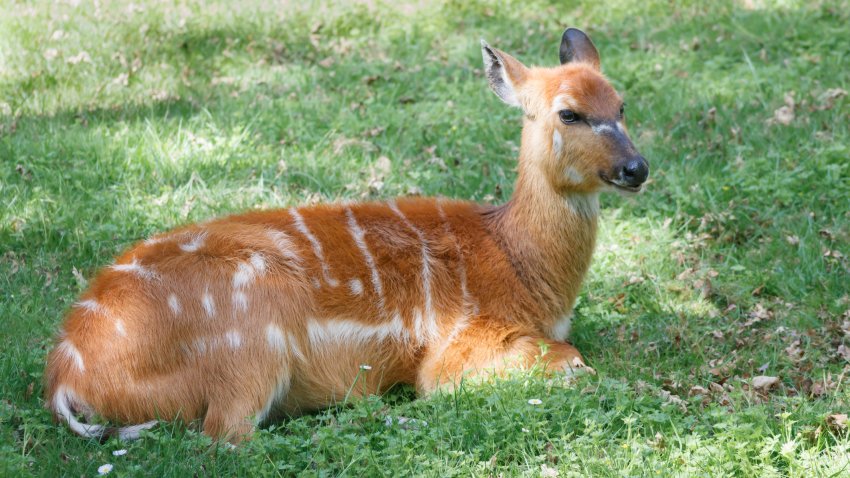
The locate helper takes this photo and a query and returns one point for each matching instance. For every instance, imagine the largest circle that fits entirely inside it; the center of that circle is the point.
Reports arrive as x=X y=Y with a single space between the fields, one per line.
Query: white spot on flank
x=234 y=339
x=360 y=239
x=602 y=128
x=119 y=327
x=259 y=263
x=200 y=345
x=428 y=316
x=584 y=205
x=68 y=349
x=557 y=143
x=574 y=176
x=174 y=304
x=349 y=331
x=298 y=221
x=240 y=301
x=209 y=303
x=285 y=246
x=196 y=243
x=356 y=286
x=275 y=338
x=316 y=283
x=135 y=268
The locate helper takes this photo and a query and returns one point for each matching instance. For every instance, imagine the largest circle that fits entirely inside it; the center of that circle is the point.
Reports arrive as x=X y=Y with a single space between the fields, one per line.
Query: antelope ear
x=577 y=47
x=504 y=73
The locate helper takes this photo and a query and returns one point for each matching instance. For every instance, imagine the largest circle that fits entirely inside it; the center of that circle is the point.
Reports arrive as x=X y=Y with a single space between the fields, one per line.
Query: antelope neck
x=549 y=237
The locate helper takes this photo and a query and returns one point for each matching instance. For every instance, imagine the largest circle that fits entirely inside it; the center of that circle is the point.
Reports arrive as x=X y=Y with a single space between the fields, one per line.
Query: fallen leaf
x=837 y=421
x=764 y=383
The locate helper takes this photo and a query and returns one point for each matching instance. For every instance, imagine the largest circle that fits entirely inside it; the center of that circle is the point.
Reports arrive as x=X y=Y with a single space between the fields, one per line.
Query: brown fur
x=521 y=264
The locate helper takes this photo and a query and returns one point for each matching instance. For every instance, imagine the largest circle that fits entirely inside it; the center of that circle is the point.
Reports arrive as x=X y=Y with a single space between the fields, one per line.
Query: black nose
x=635 y=171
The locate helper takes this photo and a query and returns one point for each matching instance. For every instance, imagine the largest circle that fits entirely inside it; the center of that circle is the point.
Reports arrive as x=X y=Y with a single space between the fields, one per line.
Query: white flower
x=789 y=447
x=104 y=469
x=119 y=452
x=525 y=430
x=535 y=401
x=365 y=367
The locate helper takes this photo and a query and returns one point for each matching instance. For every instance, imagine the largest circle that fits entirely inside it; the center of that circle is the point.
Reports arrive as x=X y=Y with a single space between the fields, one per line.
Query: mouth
x=621 y=187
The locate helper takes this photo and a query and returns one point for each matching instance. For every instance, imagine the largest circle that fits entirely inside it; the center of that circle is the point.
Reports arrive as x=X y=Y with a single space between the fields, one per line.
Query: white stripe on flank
x=350 y=332
x=360 y=239
x=285 y=246
x=275 y=338
x=91 y=305
x=196 y=243
x=461 y=265
x=296 y=349
x=209 y=303
x=68 y=349
x=429 y=315
x=135 y=268
x=234 y=339
x=317 y=246
x=356 y=286
x=174 y=304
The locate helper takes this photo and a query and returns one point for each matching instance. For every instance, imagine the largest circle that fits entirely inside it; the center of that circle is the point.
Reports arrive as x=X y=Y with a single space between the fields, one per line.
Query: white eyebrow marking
x=136 y=268
x=360 y=239
x=174 y=304
x=317 y=246
x=563 y=101
x=196 y=243
x=209 y=303
x=356 y=286
x=602 y=128
x=557 y=142
x=234 y=339
x=68 y=349
x=426 y=279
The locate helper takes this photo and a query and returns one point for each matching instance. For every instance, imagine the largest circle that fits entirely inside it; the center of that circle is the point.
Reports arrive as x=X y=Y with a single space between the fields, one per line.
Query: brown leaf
x=764 y=383
x=697 y=390
x=837 y=421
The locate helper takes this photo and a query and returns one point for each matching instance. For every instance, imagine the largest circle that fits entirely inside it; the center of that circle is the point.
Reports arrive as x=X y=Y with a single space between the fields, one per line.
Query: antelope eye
x=568 y=116
x=622 y=110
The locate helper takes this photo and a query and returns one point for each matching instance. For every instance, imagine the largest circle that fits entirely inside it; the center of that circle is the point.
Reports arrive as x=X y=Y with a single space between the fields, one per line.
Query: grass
x=120 y=120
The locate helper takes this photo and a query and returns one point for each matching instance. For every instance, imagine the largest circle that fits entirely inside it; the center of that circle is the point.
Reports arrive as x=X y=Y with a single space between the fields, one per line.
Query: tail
x=62 y=405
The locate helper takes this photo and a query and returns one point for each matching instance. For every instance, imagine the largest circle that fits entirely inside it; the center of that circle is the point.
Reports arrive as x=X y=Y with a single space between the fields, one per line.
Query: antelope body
x=244 y=318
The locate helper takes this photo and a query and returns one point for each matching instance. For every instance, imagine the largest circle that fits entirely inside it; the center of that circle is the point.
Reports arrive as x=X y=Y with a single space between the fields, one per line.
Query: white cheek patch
x=574 y=175
x=557 y=143
x=621 y=127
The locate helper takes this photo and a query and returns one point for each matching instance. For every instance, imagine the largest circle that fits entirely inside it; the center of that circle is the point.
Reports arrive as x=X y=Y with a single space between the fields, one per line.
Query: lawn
x=118 y=120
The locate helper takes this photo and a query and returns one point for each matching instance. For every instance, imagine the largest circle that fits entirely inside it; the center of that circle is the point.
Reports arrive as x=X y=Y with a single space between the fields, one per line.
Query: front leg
x=490 y=346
